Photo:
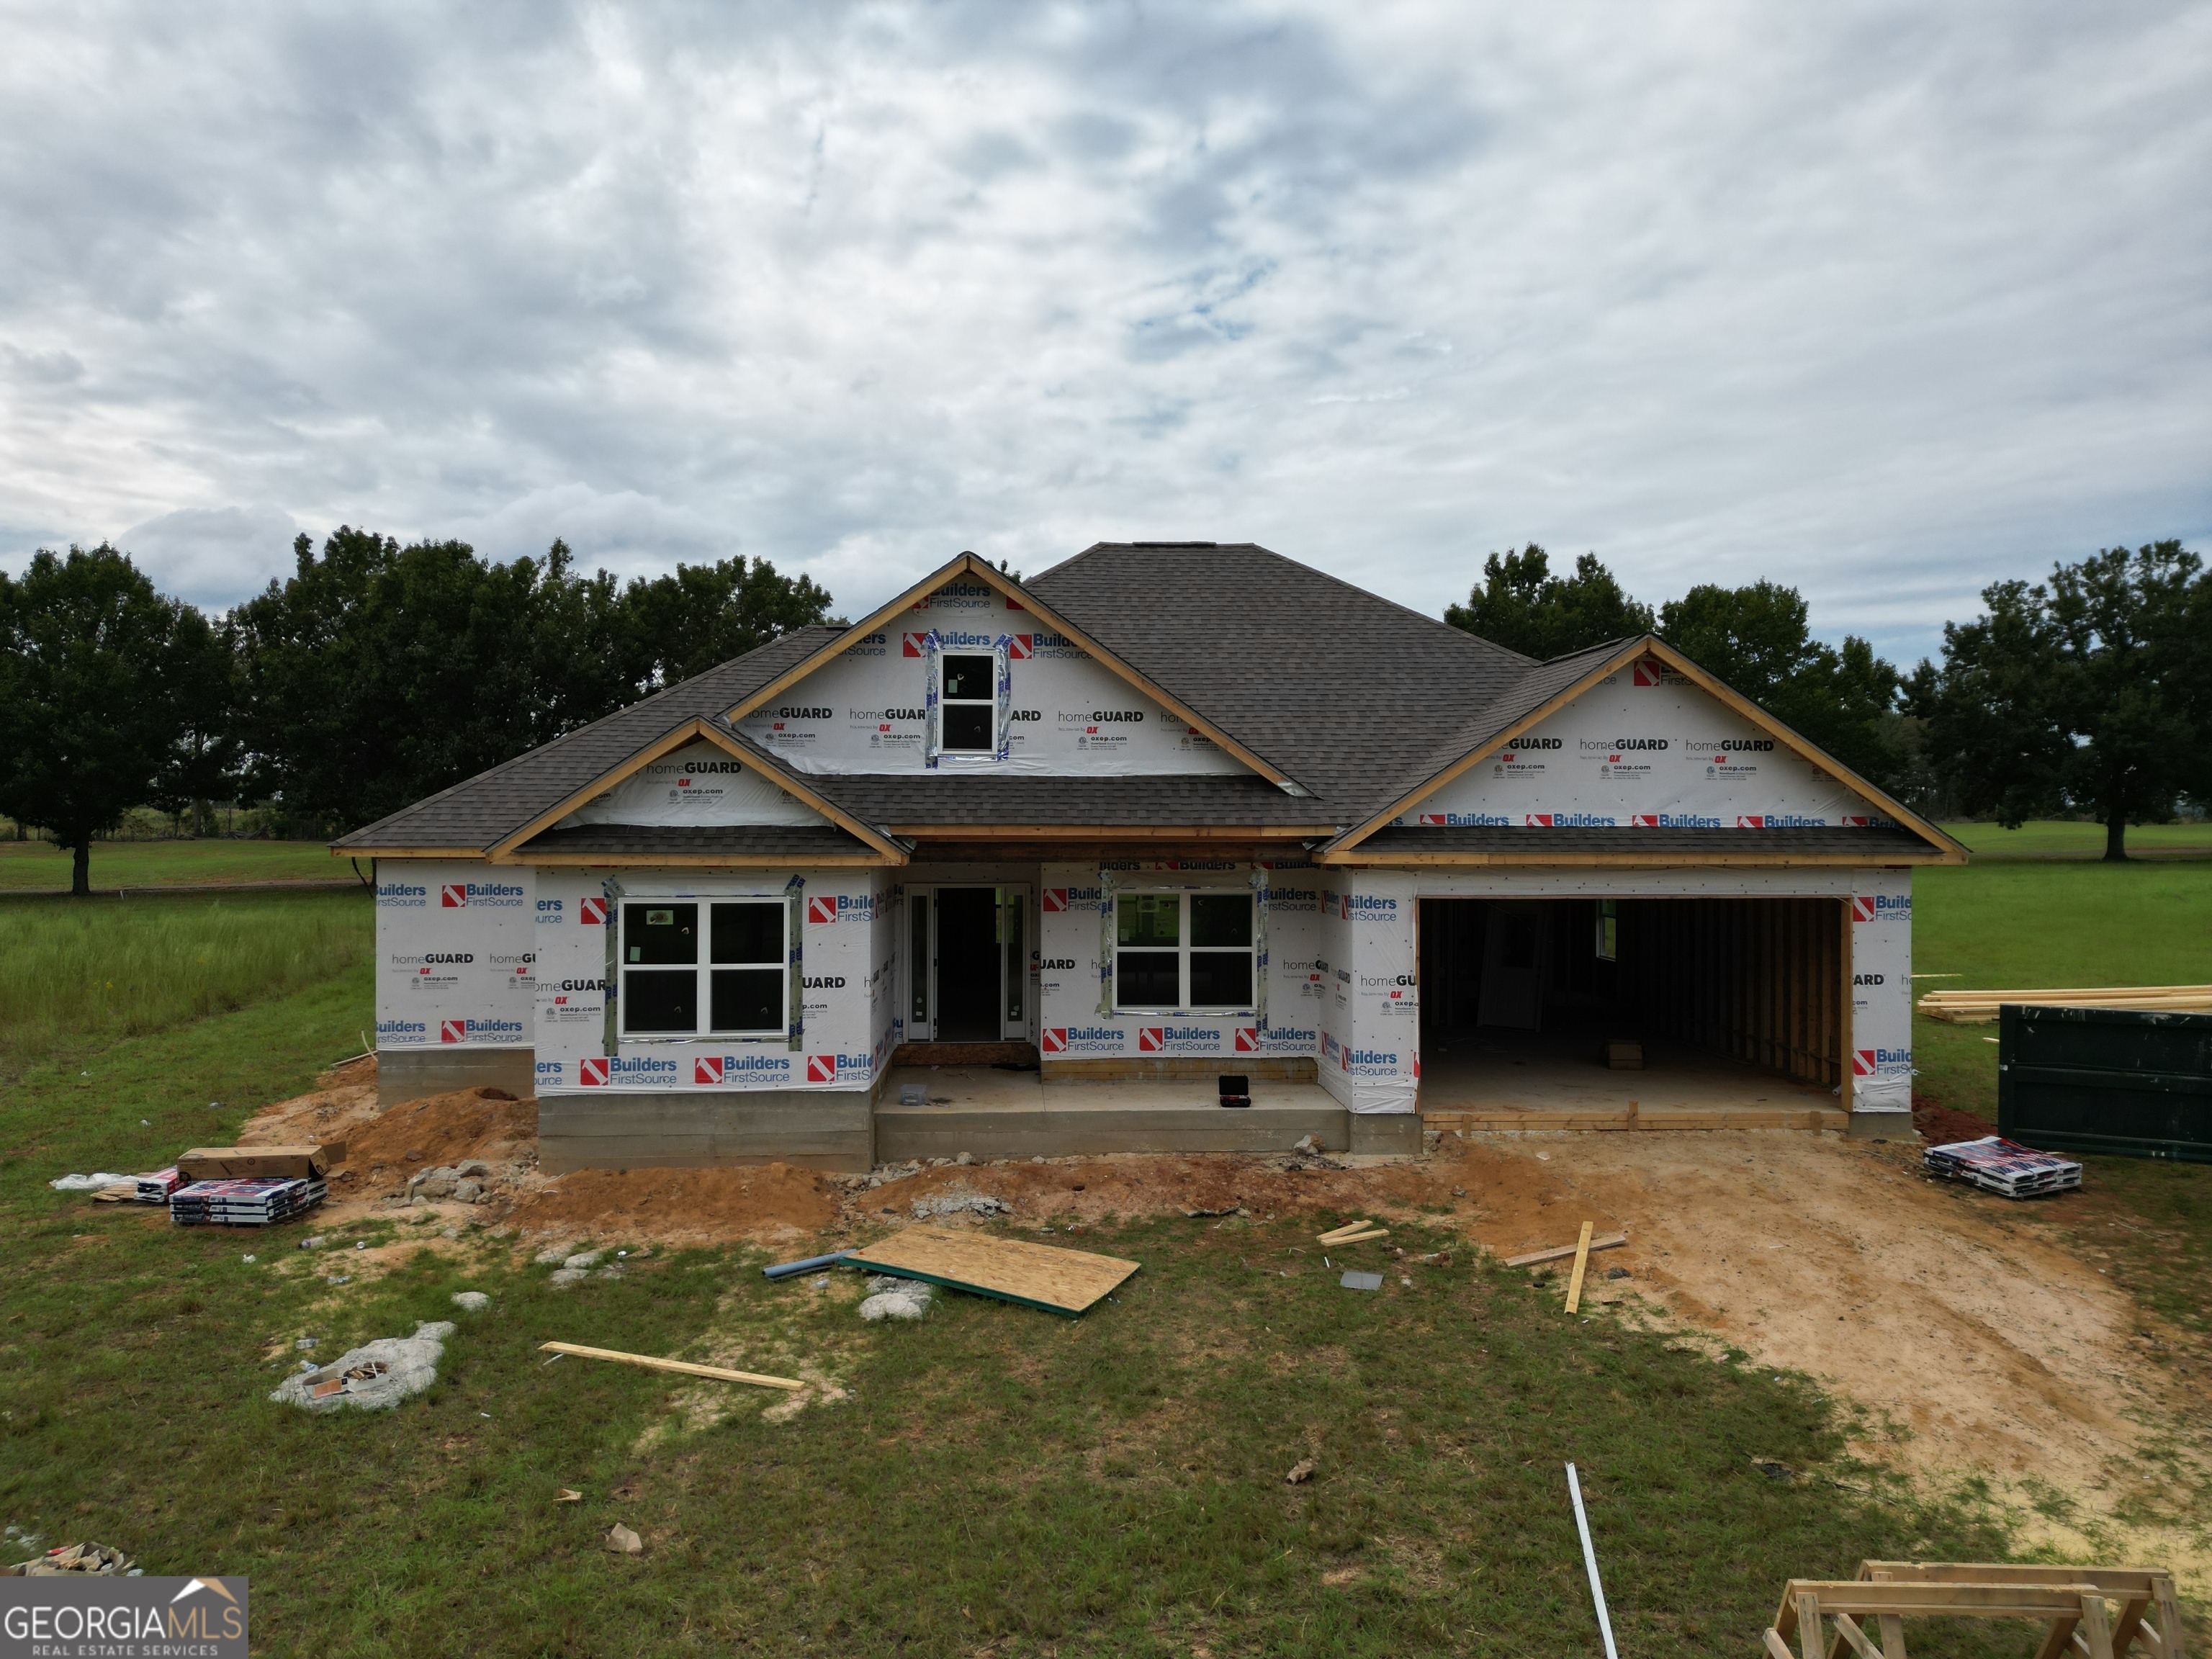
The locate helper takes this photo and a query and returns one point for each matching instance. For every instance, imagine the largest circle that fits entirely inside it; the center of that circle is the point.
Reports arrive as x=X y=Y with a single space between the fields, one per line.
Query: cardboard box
x=243 y=1163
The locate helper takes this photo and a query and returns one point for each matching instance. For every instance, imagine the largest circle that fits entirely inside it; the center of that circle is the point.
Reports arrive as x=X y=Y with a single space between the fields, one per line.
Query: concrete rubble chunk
x=564 y=1276
x=552 y=1258
x=468 y=1191
x=960 y=1203
x=376 y=1376
x=473 y=1301
x=895 y=1298
x=623 y=1541
x=583 y=1259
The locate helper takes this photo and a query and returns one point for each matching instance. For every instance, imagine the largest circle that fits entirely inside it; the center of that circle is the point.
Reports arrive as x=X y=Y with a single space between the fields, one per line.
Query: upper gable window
x=968 y=703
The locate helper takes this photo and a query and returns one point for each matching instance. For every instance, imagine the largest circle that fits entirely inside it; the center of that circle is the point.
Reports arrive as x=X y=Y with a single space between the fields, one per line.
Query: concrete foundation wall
x=411 y=1073
x=1065 y=1132
x=619 y=1131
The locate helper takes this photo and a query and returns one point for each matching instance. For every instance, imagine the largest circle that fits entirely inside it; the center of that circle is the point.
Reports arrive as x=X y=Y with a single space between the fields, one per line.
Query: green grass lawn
x=77 y=974
x=2045 y=838
x=36 y=864
x=996 y=1479
x=2031 y=925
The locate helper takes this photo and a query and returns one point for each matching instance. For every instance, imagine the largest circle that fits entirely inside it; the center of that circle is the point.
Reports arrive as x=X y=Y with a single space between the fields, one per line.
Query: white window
x=968 y=702
x=728 y=981
x=1187 y=951
x=1608 y=930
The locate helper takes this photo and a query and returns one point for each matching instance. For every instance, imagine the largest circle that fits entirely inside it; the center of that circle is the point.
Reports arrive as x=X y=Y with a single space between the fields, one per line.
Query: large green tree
x=1520 y=605
x=1759 y=638
x=378 y=673
x=98 y=689
x=2086 y=693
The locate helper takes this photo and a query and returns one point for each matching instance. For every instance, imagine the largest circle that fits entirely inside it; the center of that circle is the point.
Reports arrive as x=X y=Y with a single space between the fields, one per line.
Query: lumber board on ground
x=654 y=1364
x=1354 y=1238
x=1044 y=1276
x=1582 y=1266
x=1335 y=1233
x=1559 y=1251
x=1980 y=1007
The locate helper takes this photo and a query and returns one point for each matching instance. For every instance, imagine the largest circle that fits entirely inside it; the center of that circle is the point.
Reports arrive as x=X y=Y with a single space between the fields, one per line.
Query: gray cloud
x=1884 y=302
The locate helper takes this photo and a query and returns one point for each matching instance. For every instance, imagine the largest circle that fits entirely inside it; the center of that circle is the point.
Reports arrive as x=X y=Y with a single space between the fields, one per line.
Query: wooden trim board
x=1035 y=1275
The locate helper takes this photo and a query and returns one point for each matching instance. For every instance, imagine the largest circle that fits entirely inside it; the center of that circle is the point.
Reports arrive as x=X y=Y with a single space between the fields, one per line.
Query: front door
x=971 y=943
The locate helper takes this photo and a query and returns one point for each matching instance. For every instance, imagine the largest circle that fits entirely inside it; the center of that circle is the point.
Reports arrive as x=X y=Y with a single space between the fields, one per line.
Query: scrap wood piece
x=1582 y=1266
x=651 y=1363
x=1335 y=1233
x=1035 y=1275
x=1533 y=1258
x=1356 y=1238
x=1980 y=1007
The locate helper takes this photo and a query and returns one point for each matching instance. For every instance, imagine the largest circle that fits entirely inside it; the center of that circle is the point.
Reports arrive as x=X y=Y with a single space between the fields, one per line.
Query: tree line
x=2090 y=693
x=375 y=675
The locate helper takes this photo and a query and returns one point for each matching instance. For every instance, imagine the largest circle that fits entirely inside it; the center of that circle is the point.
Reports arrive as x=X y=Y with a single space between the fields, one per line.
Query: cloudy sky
x=1882 y=299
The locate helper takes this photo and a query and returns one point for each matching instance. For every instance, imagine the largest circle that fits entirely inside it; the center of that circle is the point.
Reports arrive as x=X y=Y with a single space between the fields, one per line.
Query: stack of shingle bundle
x=253 y=1201
x=2002 y=1166
x=159 y=1186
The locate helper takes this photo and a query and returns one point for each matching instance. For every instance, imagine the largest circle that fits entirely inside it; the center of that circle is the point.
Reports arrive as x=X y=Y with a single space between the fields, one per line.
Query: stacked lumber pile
x=1980 y=1007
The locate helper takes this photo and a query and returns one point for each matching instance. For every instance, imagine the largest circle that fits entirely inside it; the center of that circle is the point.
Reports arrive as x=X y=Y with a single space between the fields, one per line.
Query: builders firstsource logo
x=1567 y=821
x=1369 y=1062
x=838 y=1068
x=1083 y=1039
x=1178 y=1039
x=1464 y=820
x=1881 y=1062
x=1881 y=907
x=396 y=1031
x=826 y=908
x=711 y=1070
x=497 y=895
x=401 y=896
x=1057 y=899
x=479 y=1031
x=1672 y=821
x=595 y=1071
x=1365 y=907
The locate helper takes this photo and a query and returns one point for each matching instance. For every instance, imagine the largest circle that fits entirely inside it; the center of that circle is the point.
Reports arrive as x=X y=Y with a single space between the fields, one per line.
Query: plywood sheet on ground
x=1035 y=1275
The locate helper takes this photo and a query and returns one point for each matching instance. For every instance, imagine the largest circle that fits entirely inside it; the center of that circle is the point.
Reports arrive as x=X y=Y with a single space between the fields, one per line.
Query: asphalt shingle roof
x=1359 y=700
x=796 y=843
x=1240 y=799
x=1349 y=694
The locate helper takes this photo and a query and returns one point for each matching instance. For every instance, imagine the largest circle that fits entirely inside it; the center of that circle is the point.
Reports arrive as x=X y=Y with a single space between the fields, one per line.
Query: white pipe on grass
x=1590 y=1564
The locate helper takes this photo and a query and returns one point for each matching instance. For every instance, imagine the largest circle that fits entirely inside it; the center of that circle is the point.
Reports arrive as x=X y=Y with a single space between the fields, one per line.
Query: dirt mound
x=768 y=1202
x=1939 y=1126
x=439 y=1129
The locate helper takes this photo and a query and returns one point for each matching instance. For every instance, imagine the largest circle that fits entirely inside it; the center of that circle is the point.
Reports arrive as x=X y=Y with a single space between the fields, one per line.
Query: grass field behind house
x=77 y=974
x=2054 y=839
x=2028 y=926
x=40 y=865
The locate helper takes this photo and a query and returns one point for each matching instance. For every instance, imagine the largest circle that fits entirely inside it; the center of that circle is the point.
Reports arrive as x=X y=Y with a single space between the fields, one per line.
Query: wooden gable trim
x=1948 y=850
x=969 y=564
x=503 y=850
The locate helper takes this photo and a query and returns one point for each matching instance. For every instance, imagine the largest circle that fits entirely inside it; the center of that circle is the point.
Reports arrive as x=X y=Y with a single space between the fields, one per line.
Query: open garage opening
x=1611 y=1004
